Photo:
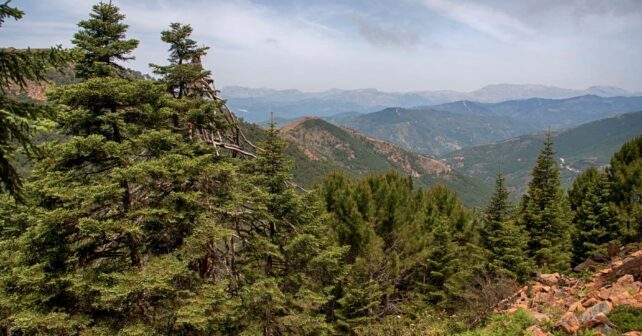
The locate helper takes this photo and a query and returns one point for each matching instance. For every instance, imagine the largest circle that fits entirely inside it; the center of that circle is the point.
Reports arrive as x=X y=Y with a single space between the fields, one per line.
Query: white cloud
x=482 y=18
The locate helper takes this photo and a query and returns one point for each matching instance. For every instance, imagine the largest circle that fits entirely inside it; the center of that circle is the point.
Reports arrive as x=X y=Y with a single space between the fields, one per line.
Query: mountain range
x=590 y=144
x=439 y=129
x=256 y=104
x=319 y=148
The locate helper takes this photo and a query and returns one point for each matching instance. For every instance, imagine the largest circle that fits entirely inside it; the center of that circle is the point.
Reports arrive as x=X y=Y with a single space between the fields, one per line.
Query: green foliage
x=593 y=216
x=409 y=248
x=504 y=325
x=504 y=240
x=545 y=215
x=185 y=62
x=19 y=68
x=587 y=145
x=626 y=318
x=101 y=42
x=625 y=175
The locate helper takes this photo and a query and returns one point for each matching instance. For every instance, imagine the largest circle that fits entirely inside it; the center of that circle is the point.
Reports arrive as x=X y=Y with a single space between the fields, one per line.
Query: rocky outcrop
x=581 y=303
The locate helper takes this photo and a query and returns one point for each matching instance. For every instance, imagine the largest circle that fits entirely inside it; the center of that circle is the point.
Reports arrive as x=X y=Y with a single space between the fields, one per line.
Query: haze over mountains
x=255 y=104
x=440 y=129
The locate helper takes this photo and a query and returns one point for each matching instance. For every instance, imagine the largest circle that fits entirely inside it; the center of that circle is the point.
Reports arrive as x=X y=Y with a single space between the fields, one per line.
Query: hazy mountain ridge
x=325 y=144
x=255 y=104
x=590 y=144
x=444 y=128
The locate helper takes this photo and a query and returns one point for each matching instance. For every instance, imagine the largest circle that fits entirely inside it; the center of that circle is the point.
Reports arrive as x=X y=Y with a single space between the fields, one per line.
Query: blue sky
x=390 y=45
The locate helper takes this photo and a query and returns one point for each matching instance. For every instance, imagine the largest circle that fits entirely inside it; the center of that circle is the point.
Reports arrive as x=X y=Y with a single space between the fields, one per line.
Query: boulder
x=626 y=291
x=605 y=330
x=589 y=264
x=632 y=333
x=568 y=323
x=597 y=320
x=535 y=331
x=539 y=317
x=603 y=307
x=590 y=302
x=549 y=279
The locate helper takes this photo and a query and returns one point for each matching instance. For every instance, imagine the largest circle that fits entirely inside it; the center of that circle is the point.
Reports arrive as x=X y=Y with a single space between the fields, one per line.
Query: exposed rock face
x=584 y=303
x=568 y=323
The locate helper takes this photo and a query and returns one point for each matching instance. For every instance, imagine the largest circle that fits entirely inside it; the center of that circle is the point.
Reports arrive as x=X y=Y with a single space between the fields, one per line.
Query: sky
x=391 y=45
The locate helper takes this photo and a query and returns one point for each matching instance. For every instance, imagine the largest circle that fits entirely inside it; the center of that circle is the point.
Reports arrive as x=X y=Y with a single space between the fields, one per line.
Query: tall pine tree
x=502 y=238
x=19 y=69
x=593 y=216
x=625 y=176
x=545 y=215
x=102 y=42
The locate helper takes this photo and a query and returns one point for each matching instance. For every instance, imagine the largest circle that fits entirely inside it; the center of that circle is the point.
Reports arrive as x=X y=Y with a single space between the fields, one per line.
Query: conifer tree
x=593 y=216
x=502 y=238
x=102 y=42
x=545 y=215
x=185 y=67
x=625 y=177
x=18 y=69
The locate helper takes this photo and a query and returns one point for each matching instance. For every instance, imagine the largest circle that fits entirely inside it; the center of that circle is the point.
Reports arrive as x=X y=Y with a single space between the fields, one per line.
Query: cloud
x=491 y=21
x=389 y=36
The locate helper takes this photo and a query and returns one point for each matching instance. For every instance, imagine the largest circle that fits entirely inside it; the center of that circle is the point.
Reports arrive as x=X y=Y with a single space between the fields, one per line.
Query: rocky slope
x=572 y=305
x=325 y=145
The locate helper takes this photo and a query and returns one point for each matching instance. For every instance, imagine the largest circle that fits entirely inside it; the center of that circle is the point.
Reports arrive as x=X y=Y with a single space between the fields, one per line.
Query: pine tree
x=625 y=177
x=101 y=42
x=291 y=267
x=593 y=216
x=545 y=215
x=502 y=238
x=185 y=67
x=18 y=69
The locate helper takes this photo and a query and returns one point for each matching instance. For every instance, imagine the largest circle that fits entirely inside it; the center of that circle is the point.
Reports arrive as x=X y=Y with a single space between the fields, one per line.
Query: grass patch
x=626 y=318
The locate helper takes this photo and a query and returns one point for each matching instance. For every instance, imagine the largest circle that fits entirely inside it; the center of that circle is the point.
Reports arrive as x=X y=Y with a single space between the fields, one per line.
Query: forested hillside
x=150 y=209
x=578 y=148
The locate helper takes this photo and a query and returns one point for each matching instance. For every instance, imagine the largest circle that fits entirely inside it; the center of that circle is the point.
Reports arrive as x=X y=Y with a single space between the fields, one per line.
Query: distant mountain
x=577 y=148
x=320 y=147
x=549 y=113
x=444 y=128
x=256 y=104
x=434 y=132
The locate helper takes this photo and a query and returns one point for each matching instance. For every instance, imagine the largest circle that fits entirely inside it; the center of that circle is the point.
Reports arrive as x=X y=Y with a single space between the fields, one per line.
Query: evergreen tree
x=502 y=238
x=101 y=42
x=18 y=69
x=290 y=266
x=133 y=227
x=593 y=216
x=545 y=215
x=625 y=176
x=185 y=67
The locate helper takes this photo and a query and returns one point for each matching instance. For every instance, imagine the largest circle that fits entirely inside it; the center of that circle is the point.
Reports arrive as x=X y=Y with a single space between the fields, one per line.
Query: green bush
x=504 y=325
x=627 y=318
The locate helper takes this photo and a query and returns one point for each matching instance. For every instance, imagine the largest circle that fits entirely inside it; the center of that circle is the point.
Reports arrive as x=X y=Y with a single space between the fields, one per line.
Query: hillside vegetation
x=321 y=148
x=591 y=144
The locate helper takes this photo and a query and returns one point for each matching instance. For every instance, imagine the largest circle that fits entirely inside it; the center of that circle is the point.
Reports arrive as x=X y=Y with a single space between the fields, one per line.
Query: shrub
x=627 y=318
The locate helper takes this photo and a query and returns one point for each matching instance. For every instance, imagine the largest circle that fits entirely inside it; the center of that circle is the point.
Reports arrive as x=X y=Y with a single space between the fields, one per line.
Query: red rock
x=633 y=333
x=576 y=307
x=568 y=323
x=549 y=279
x=598 y=319
x=536 y=331
x=601 y=308
x=590 y=302
x=626 y=291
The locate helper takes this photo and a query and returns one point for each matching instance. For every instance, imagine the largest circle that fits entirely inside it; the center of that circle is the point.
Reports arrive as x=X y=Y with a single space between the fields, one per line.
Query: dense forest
x=146 y=211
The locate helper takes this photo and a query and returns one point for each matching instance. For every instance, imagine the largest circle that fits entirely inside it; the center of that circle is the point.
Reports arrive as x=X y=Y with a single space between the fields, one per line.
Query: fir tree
x=544 y=214
x=625 y=177
x=18 y=69
x=502 y=238
x=593 y=216
x=101 y=42
x=185 y=67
